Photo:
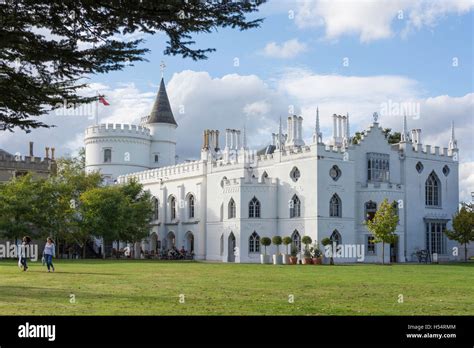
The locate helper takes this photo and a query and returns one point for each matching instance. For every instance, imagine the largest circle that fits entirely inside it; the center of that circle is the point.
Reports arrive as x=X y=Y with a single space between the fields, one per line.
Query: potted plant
x=316 y=254
x=327 y=243
x=264 y=258
x=277 y=258
x=293 y=258
x=286 y=257
x=307 y=254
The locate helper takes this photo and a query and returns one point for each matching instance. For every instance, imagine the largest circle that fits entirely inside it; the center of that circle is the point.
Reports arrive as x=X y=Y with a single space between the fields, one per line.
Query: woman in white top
x=48 y=253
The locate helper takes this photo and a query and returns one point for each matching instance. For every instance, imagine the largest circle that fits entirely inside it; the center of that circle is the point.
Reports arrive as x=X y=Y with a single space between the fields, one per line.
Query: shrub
x=277 y=241
x=265 y=241
x=287 y=241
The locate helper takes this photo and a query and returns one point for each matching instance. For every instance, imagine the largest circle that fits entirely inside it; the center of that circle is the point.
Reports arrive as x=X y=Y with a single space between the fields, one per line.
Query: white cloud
x=218 y=103
x=466 y=181
x=200 y=101
x=373 y=20
x=288 y=49
x=127 y=105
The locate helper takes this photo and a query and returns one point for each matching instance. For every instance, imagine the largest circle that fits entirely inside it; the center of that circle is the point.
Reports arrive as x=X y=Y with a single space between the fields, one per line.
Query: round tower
x=162 y=127
x=117 y=149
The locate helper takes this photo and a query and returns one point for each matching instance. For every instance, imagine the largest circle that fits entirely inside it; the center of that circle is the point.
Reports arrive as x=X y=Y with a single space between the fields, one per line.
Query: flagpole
x=97 y=108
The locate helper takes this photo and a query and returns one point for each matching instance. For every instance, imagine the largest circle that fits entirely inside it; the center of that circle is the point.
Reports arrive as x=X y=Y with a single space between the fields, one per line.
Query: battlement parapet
x=164 y=173
x=117 y=129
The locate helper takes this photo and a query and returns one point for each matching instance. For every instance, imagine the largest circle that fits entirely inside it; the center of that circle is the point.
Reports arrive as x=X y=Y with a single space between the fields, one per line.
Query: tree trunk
x=383 y=253
x=103 y=248
x=84 y=250
x=465 y=252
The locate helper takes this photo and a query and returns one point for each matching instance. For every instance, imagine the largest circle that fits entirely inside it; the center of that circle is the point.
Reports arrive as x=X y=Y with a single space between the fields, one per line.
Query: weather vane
x=162 y=68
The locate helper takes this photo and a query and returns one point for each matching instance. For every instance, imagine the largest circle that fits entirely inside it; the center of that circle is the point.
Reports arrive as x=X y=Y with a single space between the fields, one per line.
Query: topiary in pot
x=264 y=258
x=287 y=241
x=293 y=258
x=276 y=240
x=265 y=241
x=316 y=254
x=278 y=257
x=307 y=254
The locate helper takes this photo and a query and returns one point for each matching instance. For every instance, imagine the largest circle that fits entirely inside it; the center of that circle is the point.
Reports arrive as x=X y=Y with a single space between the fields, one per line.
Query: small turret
x=162 y=127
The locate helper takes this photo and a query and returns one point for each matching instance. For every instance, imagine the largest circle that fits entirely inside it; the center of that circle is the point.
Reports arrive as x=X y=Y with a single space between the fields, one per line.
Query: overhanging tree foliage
x=48 y=47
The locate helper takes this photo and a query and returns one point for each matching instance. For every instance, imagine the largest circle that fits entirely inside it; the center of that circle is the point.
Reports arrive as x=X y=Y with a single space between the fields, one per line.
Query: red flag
x=103 y=101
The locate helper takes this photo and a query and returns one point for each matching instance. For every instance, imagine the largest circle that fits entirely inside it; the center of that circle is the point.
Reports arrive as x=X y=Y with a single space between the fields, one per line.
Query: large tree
x=139 y=212
x=47 y=48
x=116 y=212
x=71 y=181
x=383 y=225
x=463 y=227
x=18 y=201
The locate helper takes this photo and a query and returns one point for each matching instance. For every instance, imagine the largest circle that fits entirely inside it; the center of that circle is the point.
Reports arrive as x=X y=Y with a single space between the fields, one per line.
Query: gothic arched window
x=254 y=243
x=295 y=207
x=254 y=208
x=335 y=206
x=296 y=241
x=231 y=209
x=173 y=208
x=156 y=208
x=191 y=206
x=336 y=237
x=433 y=191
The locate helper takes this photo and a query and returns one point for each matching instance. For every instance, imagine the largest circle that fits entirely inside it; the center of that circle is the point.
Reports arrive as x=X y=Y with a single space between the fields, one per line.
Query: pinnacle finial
x=453 y=144
x=348 y=132
x=162 y=68
x=403 y=136
x=317 y=121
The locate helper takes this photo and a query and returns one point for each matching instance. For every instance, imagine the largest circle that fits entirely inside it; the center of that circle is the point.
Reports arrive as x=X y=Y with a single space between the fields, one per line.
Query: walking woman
x=48 y=253
x=23 y=252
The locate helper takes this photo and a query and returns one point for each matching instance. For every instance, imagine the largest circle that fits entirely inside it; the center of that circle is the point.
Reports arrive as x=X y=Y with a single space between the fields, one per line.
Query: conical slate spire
x=161 y=111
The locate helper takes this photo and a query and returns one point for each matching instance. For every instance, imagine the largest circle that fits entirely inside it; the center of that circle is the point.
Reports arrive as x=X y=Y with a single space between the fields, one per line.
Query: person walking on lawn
x=49 y=253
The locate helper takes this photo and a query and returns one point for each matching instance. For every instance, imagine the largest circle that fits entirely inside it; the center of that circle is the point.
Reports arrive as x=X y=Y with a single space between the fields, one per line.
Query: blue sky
x=425 y=55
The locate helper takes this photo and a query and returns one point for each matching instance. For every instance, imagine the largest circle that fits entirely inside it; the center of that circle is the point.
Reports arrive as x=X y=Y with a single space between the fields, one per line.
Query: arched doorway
x=170 y=240
x=231 y=248
x=154 y=242
x=296 y=241
x=189 y=242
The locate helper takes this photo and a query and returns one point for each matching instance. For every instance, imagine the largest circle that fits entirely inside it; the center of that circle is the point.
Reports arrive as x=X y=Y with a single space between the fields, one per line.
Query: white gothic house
x=221 y=205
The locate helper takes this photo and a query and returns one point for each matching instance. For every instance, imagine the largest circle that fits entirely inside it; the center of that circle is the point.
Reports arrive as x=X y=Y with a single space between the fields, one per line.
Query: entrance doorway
x=394 y=252
x=231 y=248
x=189 y=242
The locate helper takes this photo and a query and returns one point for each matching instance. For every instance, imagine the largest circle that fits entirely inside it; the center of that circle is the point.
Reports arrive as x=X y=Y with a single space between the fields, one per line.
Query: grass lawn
x=154 y=288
